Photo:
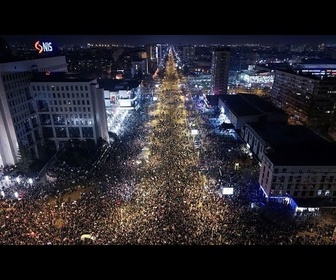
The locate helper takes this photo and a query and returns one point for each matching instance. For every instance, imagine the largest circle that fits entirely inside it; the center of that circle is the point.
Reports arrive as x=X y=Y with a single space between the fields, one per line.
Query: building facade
x=18 y=118
x=220 y=67
x=308 y=99
x=68 y=107
x=188 y=54
x=298 y=181
x=152 y=62
x=295 y=162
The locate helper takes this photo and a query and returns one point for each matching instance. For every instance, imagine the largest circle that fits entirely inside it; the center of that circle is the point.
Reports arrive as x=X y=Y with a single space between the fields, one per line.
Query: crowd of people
x=161 y=197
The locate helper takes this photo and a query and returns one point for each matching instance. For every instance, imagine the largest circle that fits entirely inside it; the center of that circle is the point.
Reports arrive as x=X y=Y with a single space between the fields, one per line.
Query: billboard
x=194 y=131
x=227 y=191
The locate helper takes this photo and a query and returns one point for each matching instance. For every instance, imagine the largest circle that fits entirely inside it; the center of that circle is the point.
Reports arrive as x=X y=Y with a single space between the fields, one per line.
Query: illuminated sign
x=227 y=191
x=43 y=46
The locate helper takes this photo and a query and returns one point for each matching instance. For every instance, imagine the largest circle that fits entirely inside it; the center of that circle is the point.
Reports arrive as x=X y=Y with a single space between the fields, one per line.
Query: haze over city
x=172 y=39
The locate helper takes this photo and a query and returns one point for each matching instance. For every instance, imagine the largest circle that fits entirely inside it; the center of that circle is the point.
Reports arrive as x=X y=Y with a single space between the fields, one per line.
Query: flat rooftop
x=118 y=84
x=295 y=145
x=279 y=133
x=248 y=104
x=60 y=77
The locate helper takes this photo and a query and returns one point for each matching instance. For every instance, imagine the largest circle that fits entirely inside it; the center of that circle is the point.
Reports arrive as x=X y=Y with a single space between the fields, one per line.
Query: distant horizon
x=137 y=40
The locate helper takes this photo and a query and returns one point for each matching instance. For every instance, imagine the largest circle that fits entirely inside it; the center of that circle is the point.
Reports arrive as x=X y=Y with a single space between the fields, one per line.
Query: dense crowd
x=156 y=197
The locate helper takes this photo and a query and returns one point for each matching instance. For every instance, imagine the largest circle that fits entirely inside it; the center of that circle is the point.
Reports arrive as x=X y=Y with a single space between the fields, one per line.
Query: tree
x=25 y=159
x=48 y=150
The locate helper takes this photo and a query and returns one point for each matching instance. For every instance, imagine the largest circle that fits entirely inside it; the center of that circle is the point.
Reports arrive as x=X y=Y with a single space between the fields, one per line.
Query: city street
x=155 y=185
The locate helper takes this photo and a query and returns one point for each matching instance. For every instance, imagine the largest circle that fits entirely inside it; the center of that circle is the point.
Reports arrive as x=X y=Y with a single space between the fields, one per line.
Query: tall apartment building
x=159 y=55
x=188 y=54
x=68 y=106
x=220 y=67
x=18 y=117
x=151 y=57
x=307 y=99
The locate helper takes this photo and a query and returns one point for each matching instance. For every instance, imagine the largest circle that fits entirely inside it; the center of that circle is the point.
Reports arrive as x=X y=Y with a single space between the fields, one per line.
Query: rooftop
x=212 y=100
x=295 y=145
x=118 y=84
x=303 y=154
x=248 y=104
x=59 y=77
x=280 y=133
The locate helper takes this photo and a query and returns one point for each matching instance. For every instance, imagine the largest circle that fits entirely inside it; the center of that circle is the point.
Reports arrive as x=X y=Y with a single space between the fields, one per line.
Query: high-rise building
x=159 y=55
x=220 y=66
x=307 y=99
x=188 y=55
x=18 y=117
x=151 y=58
x=68 y=107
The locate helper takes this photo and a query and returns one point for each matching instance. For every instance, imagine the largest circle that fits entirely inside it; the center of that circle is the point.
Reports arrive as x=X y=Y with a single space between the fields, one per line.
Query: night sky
x=172 y=39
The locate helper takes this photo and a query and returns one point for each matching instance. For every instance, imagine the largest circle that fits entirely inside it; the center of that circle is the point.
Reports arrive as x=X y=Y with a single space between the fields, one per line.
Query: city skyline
x=171 y=39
